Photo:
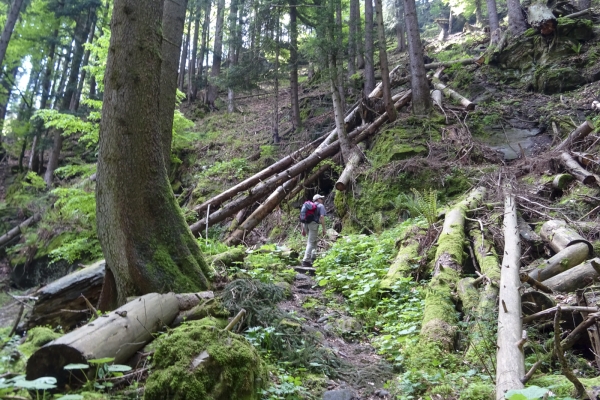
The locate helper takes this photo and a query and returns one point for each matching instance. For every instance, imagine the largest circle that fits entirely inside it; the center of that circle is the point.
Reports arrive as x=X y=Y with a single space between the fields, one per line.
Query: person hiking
x=311 y=214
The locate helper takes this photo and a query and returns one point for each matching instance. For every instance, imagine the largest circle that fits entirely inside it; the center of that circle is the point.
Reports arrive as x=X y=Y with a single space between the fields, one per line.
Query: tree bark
x=383 y=65
x=347 y=174
x=478 y=14
x=510 y=364
x=360 y=44
x=74 y=105
x=540 y=17
x=191 y=94
x=400 y=31
x=575 y=278
x=233 y=43
x=144 y=237
x=58 y=303
x=203 y=48
x=129 y=329
x=561 y=261
x=276 y=138
x=494 y=22
x=295 y=106
x=352 y=31
x=338 y=111
x=9 y=27
x=215 y=70
x=516 y=20
x=172 y=29
x=421 y=101
x=183 y=58
x=369 y=49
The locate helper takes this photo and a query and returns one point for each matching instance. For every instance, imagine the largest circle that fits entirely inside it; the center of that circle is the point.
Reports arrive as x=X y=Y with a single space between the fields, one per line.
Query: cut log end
x=50 y=360
x=340 y=186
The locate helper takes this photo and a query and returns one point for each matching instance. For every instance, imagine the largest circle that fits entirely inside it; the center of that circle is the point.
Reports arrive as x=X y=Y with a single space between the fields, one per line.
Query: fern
x=420 y=204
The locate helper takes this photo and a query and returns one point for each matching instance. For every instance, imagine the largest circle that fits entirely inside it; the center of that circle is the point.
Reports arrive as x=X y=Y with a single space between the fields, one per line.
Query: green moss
x=36 y=338
x=478 y=391
x=232 y=370
x=560 y=385
x=402 y=265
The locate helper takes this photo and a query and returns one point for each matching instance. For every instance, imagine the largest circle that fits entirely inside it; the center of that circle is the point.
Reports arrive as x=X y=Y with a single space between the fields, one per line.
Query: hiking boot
x=306 y=264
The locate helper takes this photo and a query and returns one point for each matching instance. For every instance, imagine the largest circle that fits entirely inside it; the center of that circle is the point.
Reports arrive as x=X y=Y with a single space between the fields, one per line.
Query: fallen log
x=578 y=13
x=540 y=17
x=437 y=96
x=576 y=136
x=353 y=162
x=263 y=189
x=550 y=312
x=575 y=278
x=228 y=258
x=466 y=103
x=510 y=364
x=561 y=181
x=17 y=230
x=63 y=302
x=526 y=232
x=402 y=265
x=586 y=159
x=129 y=328
x=561 y=261
x=577 y=170
x=308 y=180
x=261 y=212
x=579 y=331
x=558 y=235
x=437 y=65
x=440 y=323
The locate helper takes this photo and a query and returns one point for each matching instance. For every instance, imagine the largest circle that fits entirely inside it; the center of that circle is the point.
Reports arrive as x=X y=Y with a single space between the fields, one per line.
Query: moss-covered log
x=558 y=235
x=575 y=278
x=561 y=261
x=118 y=335
x=227 y=258
x=405 y=259
x=17 y=230
x=561 y=181
x=577 y=170
x=439 y=317
x=63 y=302
x=510 y=363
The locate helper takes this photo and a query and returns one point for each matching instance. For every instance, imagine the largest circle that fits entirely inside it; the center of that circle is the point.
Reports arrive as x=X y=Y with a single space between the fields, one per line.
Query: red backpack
x=308 y=212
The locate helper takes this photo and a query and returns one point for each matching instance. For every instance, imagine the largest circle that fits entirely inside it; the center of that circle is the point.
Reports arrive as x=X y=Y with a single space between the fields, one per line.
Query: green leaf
x=104 y=360
x=530 y=393
x=43 y=383
x=119 y=368
x=71 y=397
x=76 y=366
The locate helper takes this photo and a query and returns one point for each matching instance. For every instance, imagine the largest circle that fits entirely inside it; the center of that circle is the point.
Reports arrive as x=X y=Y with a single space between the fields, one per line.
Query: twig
x=536 y=284
x=235 y=320
x=21 y=302
x=580 y=390
x=90 y=306
x=530 y=373
x=17 y=320
x=550 y=311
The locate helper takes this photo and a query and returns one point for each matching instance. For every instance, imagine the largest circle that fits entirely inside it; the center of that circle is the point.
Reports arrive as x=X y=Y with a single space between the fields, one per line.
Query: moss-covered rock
x=36 y=338
x=551 y=79
x=230 y=367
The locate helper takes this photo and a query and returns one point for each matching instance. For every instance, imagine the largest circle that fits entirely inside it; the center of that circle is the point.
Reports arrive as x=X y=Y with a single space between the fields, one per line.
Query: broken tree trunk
x=439 y=316
x=261 y=212
x=63 y=302
x=353 y=162
x=437 y=96
x=540 y=17
x=466 y=103
x=405 y=259
x=263 y=189
x=485 y=314
x=558 y=235
x=577 y=170
x=577 y=135
x=561 y=181
x=561 y=261
x=575 y=278
x=118 y=335
x=228 y=258
x=17 y=230
x=510 y=364
x=308 y=180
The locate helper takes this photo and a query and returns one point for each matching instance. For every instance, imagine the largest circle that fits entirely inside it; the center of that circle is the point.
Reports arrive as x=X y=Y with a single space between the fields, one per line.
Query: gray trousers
x=312 y=229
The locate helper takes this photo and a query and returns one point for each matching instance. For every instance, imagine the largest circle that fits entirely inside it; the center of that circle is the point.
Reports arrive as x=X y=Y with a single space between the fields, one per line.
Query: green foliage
x=102 y=371
x=267 y=265
x=354 y=266
x=420 y=204
x=533 y=393
x=69 y=124
x=98 y=54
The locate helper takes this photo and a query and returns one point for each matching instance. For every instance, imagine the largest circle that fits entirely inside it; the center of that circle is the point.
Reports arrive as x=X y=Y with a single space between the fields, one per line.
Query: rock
x=305 y=270
x=344 y=325
x=340 y=394
x=287 y=288
x=550 y=80
x=382 y=393
x=302 y=277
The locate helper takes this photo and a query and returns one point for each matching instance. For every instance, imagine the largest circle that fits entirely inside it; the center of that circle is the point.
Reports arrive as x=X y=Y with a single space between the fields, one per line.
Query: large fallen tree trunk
x=347 y=174
x=558 y=235
x=308 y=180
x=540 y=17
x=261 y=212
x=17 y=230
x=510 y=364
x=576 y=136
x=577 y=170
x=118 y=335
x=561 y=261
x=64 y=302
x=466 y=103
x=575 y=278
x=405 y=259
x=439 y=316
x=263 y=189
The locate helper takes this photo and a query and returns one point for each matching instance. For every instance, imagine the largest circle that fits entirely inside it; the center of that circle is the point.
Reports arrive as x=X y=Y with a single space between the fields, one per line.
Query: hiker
x=311 y=214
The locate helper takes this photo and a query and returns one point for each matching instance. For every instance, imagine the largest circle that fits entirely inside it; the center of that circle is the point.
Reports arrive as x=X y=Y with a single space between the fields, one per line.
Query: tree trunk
x=261 y=212
x=494 y=22
x=509 y=359
x=191 y=94
x=276 y=138
x=383 y=65
x=308 y=180
x=421 y=100
x=348 y=173
x=233 y=40
x=74 y=105
x=575 y=278
x=60 y=87
x=295 y=106
x=8 y=82
x=172 y=29
x=478 y=14
x=203 y=48
x=576 y=136
x=400 y=36
x=129 y=329
x=183 y=58
x=516 y=20
x=558 y=235
x=466 y=103
x=215 y=71
x=352 y=28
x=560 y=262
x=338 y=111
x=9 y=27
x=402 y=265
x=144 y=237
x=577 y=170
x=369 y=49
x=439 y=316
x=58 y=303
x=360 y=44
x=540 y=17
